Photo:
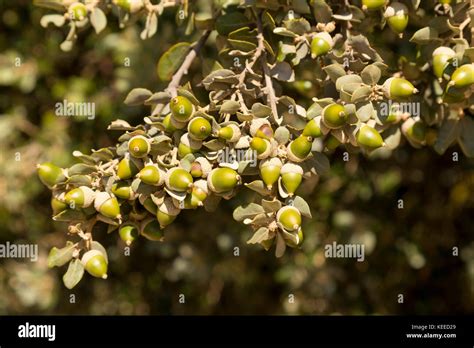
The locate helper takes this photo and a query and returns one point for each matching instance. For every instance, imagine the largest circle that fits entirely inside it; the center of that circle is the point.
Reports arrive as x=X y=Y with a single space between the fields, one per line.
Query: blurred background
x=409 y=251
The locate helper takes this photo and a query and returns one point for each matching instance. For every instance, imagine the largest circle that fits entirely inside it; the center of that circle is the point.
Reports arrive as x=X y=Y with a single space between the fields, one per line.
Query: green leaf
x=230 y=22
x=171 y=60
x=74 y=274
x=334 y=71
x=261 y=235
x=300 y=204
x=59 y=257
x=69 y=215
x=466 y=136
x=137 y=96
x=271 y=206
x=447 y=134
x=282 y=135
x=260 y=110
x=362 y=93
x=249 y=211
x=371 y=74
x=98 y=20
x=81 y=168
x=425 y=36
x=258 y=186
x=99 y=247
x=347 y=79
x=56 y=19
x=229 y=107
x=280 y=246
x=56 y=5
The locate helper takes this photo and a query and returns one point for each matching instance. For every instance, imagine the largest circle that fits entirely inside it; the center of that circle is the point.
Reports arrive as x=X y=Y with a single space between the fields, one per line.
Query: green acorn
x=312 y=129
x=188 y=145
x=196 y=198
x=132 y=6
x=50 y=174
x=261 y=127
x=397 y=17
x=415 y=131
x=299 y=149
x=149 y=205
x=151 y=175
x=222 y=180
x=81 y=197
x=107 y=205
x=58 y=206
x=289 y=217
x=263 y=147
x=394 y=114
x=77 y=11
x=122 y=190
x=462 y=76
x=230 y=133
x=441 y=57
x=291 y=177
x=139 y=146
x=151 y=230
x=199 y=128
x=181 y=108
x=128 y=233
x=454 y=95
x=167 y=212
x=126 y=169
x=270 y=169
x=369 y=137
x=373 y=4
x=178 y=179
x=321 y=44
x=332 y=143
x=171 y=124
x=299 y=238
x=334 y=116
x=95 y=264
x=200 y=168
x=396 y=87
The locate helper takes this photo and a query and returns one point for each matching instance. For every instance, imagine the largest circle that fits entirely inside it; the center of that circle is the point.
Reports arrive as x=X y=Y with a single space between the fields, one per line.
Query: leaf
x=334 y=71
x=79 y=180
x=97 y=246
x=171 y=60
x=361 y=94
x=271 y=206
x=260 y=110
x=347 y=79
x=365 y=112
x=69 y=215
x=258 y=186
x=322 y=11
x=81 y=168
x=158 y=98
x=56 y=19
x=74 y=274
x=447 y=134
x=56 y=5
x=280 y=246
x=120 y=125
x=137 y=96
x=300 y=204
x=98 y=20
x=371 y=74
x=282 y=135
x=59 y=257
x=282 y=71
x=249 y=211
x=230 y=22
x=466 y=136
x=151 y=25
x=425 y=36
x=261 y=235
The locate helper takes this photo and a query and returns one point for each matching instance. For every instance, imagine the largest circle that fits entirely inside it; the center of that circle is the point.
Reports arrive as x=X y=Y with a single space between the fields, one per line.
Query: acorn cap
x=101 y=198
x=395 y=9
x=177 y=124
x=201 y=185
x=188 y=141
x=291 y=168
x=89 y=196
x=231 y=138
x=206 y=166
x=443 y=50
x=274 y=161
x=257 y=123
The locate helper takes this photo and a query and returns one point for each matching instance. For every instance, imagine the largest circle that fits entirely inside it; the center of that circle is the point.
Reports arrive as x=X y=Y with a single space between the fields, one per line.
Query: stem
x=271 y=97
x=183 y=70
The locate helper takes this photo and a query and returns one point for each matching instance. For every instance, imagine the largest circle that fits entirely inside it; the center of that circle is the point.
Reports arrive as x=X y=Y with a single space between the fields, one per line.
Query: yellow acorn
x=396 y=87
x=230 y=133
x=261 y=127
x=167 y=212
x=188 y=145
x=128 y=233
x=397 y=17
x=441 y=57
x=462 y=76
x=222 y=180
x=270 y=169
x=369 y=137
x=178 y=179
x=139 y=146
x=95 y=264
x=151 y=175
x=50 y=174
x=334 y=116
x=291 y=177
x=261 y=146
x=312 y=129
x=373 y=4
x=181 y=108
x=321 y=44
x=199 y=128
x=299 y=149
x=122 y=190
x=107 y=205
x=81 y=197
x=289 y=217
x=126 y=169
x=200 y=168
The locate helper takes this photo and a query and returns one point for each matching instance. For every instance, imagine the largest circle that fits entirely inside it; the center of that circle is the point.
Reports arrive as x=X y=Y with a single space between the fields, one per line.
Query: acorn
x=373 y=4
x=299 y=239
x=334 y=116
x=171 y=124
x=178 y=179
x=369 y=137
x=167 y=212
x=151 y=230
x=50 y=174
x=139 y=146
x=122 y=190
x=289 y=217
x=270 y=169
x=394 y=114
x=149 y=205
x=77 y=11
x=332 y=142
x=263 y=147
x=299 y=149
x=197 y=196
x=95 y=264
x=181 y=108
x=462 y=76
x=312 y=129
x=200 y=168
x=396 y=87
x=126 y=169
x=199 y=128
x=397 y=17
x=81 y=197
x=291 y=177
x=221 y=180
x=107 y=205
x=321 y=44
x=415 y=131
x=132 y=6
x=58 y=206
x=128 y=233
x=188 y=145
x=261 y=127
x=230 y=133
x=151 y=175
x=441 y=57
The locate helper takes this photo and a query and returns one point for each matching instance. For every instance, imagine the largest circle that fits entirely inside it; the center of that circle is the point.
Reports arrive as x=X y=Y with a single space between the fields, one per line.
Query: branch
x=271 y=97
x=183 y=70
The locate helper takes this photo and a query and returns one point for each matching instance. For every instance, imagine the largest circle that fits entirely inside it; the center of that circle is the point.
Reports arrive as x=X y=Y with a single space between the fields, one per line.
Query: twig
x=271 y=97
x=183 y=70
